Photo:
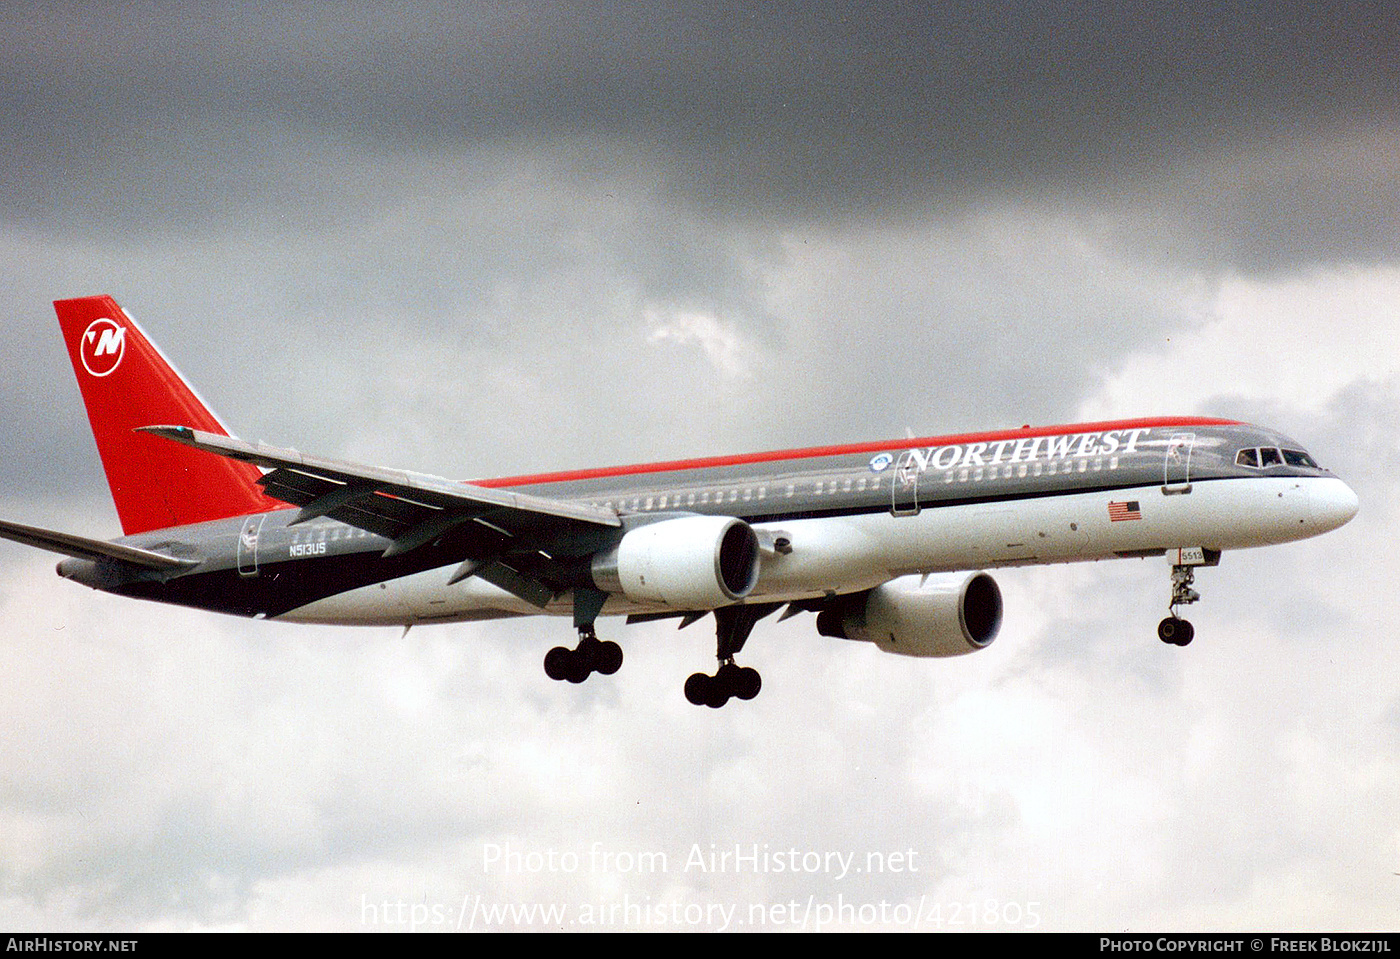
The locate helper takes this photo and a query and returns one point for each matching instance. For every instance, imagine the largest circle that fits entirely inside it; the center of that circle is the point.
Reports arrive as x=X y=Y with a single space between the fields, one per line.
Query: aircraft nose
x=1331 y=503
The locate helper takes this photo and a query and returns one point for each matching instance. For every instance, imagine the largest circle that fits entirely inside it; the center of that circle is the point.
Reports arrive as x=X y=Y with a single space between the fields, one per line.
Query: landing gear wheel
x=723 y=686
x=702 y=689
x=608 y=658
x=697 y=689
x=557 y=662
x=713 y=690
x=586 y=652
x=1188 y=633
x=730 y=681
x=1175 y=631
x=580 y=667
x=748 y=683
x=741 y=682
x=718 y=694
x=590 y=656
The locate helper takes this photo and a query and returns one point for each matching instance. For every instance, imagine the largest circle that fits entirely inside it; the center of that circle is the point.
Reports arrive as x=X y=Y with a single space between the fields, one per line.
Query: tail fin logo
x=103 y=346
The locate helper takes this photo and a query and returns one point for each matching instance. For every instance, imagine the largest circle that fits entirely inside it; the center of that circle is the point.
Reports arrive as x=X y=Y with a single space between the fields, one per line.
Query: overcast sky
x=500 y=238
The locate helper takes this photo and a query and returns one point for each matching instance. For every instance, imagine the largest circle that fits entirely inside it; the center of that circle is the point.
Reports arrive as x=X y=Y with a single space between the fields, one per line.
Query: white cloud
x=1297 y=340
x=717 y=338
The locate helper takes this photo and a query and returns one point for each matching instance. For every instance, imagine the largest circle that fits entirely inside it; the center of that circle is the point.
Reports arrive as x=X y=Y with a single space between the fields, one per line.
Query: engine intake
x=947 y=614
x=693 y=562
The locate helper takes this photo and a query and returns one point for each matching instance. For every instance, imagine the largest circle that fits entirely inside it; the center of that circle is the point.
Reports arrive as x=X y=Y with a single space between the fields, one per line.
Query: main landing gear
x=591 y=655
x=732 y=629
x=1174 y=630
x=733 y=624
x=730 y=679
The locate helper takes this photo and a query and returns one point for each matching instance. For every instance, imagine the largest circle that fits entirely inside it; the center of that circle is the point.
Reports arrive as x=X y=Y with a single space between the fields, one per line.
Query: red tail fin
x=126 y=383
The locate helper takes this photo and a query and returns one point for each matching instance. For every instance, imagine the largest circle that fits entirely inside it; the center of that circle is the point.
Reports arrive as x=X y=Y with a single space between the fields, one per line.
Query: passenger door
x=1176 y=466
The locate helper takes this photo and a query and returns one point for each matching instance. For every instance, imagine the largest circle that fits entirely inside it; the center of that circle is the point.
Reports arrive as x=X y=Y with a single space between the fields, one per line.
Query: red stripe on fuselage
x=714 y=462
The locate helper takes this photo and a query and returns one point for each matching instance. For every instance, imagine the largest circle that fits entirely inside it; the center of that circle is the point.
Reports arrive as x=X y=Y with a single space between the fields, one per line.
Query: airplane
x=885 y=542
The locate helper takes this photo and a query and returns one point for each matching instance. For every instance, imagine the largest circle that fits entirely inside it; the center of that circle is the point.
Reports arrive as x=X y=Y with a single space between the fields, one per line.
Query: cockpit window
x=1266 y=456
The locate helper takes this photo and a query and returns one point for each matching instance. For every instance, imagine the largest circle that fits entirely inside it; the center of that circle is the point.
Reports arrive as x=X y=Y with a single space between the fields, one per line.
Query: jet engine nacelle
x=945 y=614
x=693 y=562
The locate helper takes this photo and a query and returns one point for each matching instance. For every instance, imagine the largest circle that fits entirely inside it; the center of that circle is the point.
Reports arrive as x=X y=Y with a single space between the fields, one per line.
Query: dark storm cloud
x=492 y=175
x=799 y=110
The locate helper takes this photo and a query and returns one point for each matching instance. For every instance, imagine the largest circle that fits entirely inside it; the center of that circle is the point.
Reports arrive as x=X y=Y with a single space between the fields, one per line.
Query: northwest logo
x=102 y=346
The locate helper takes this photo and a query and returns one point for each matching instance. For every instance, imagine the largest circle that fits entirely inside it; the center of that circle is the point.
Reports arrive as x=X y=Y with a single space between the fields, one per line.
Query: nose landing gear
x=1174 y=630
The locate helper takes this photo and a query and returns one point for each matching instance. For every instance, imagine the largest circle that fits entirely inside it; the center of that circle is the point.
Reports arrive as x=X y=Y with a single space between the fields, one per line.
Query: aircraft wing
x=410 y=508
x=93 y=549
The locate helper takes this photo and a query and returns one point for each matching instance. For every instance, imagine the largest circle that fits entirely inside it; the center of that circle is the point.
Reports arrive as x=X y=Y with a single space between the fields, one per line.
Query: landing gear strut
x=733 y=624
x=590 y=655
x=1174 y=630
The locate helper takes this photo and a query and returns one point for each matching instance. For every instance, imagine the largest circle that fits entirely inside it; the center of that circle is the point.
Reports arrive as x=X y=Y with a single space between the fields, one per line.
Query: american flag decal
x=1117 y=512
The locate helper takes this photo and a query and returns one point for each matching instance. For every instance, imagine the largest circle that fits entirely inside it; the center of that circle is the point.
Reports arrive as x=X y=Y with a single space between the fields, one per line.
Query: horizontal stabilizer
x=93 y=549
